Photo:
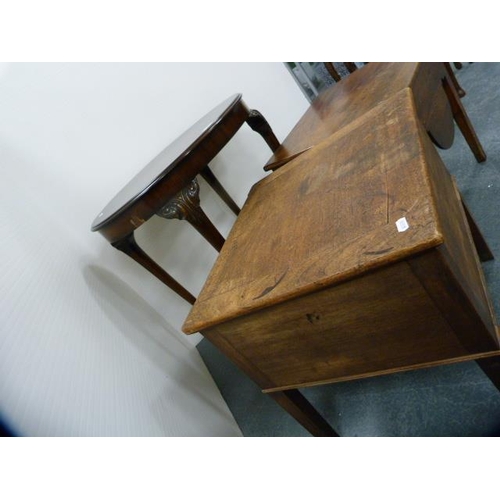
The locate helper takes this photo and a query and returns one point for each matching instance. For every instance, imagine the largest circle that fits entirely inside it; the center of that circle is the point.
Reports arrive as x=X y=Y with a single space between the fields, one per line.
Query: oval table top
x=158 y=168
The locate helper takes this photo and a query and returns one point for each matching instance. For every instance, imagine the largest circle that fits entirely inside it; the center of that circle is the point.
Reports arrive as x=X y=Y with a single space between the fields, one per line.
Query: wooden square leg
x=491 y=367
x=482 y=248
x=302 y=411
x=453 y=79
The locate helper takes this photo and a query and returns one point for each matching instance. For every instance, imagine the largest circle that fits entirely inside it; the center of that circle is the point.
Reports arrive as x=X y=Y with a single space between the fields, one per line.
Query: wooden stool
x=358 y=261
x=167 y=186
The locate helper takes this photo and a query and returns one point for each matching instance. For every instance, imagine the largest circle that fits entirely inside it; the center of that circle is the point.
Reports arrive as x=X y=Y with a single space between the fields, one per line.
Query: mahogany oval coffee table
x=167 y=187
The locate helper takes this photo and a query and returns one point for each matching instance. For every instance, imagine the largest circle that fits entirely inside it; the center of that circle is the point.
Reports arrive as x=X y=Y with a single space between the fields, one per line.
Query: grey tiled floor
x=455 y=400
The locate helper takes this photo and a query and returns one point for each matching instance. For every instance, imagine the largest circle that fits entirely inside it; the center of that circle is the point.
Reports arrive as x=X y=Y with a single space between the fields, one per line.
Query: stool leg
x=214 y=183
x=302 y=411
x=491 y=368
x=260 y=125
x=453 y=79
x=186 y=206
x=463 y=121
x=130 y=247
x=482 y=248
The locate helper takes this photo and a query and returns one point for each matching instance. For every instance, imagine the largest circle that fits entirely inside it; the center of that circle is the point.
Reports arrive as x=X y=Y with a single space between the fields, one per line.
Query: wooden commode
x=354 y=259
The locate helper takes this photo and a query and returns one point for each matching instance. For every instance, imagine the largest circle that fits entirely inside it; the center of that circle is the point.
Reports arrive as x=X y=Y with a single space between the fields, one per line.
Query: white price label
x=402 y=224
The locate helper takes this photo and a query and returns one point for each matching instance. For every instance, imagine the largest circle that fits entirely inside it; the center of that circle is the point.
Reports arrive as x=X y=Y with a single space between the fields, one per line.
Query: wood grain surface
x=354 y=259
x=458 y=249
x=318 y=282
x=379 y=321
x=354 y=96
x=325 y=217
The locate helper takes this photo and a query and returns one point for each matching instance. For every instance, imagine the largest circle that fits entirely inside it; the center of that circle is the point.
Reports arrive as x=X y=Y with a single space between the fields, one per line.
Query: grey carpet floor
x=455 y=400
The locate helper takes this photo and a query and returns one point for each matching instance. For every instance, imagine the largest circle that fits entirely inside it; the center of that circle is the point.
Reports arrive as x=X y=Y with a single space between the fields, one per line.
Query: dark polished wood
x=359 y=261
x=260 y=125
x=351 y=98
x=167 y=185
x=453 y=79
x=214 y=183
x=130 y=247
x=172 y=170
x=186 y=206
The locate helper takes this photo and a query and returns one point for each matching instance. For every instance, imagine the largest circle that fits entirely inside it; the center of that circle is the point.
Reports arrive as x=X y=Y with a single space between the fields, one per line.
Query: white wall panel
x=90 y=344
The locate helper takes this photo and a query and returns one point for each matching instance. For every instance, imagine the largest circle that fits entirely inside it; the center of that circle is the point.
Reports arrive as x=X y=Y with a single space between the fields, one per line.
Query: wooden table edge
x=197 y=326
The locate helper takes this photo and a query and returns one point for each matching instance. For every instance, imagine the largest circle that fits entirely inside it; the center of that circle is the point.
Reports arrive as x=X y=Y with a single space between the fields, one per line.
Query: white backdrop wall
x=90 y=343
